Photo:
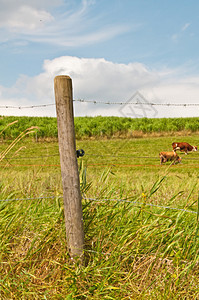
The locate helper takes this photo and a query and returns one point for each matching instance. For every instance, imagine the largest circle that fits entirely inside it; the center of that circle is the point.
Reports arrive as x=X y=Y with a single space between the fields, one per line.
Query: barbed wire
x=134 y=103
x=28 y=199
x=31 y=157
x=30 y=165
x=24 y=107
x=141 y=203
x=97 y=155
x=106 y=200
x=110 y=165
x=135 y=156
x=103 y=102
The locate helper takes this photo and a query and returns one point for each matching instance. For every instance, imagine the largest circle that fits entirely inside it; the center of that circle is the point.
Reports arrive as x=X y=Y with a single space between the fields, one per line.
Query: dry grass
x=140 y=134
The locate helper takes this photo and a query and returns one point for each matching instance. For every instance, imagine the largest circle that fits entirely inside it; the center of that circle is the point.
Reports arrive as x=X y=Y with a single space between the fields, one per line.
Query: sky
x=116 y=51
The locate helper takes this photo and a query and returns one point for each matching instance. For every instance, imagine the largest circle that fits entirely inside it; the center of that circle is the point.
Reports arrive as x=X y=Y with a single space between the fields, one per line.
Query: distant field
x=133 y=251
x=134 y=160
x=101 y=127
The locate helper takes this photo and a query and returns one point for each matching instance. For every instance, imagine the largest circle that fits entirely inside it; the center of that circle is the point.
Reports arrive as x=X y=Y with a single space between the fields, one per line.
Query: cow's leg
x=162 y=160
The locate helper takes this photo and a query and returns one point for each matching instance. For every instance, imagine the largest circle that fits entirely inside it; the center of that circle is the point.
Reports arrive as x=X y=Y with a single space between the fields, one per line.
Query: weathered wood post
x=69 y=167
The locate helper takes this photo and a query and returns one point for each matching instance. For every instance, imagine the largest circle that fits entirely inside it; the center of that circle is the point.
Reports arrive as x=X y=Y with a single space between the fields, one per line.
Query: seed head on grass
x=24 y=133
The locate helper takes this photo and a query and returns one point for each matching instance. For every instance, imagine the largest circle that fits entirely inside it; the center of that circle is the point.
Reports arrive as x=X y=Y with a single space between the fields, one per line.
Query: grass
x=132 y=250
x=99 y=126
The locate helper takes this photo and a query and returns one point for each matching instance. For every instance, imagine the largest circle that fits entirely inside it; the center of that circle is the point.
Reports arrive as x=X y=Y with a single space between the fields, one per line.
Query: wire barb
x=104 y=102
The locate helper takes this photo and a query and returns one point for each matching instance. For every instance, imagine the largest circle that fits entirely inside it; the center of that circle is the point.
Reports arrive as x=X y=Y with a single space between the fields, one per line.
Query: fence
x=105 y=102
x=68 y=162
x=105 y=200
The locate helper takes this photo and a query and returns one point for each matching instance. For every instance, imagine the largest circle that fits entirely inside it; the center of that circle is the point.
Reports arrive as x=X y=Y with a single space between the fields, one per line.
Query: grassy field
x=134 y=247
x=86 y=127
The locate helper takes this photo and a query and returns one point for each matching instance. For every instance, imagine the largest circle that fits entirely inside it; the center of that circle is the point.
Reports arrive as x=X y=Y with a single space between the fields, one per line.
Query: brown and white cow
x=169 y=156
x=184 y=147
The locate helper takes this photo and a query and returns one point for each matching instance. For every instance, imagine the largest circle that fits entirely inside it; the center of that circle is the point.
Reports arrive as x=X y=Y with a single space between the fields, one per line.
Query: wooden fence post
x=69 y=167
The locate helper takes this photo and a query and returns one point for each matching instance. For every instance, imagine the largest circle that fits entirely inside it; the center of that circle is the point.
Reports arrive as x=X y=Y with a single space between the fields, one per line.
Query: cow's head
x=179 y=160
x=195 y=148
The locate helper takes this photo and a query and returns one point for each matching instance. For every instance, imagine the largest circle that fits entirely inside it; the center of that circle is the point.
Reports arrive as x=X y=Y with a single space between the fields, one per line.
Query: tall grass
x=101 y=126
x=132 y=250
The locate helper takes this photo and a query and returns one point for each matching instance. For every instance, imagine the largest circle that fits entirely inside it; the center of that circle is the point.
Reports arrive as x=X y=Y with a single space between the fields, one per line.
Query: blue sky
x=111 y=49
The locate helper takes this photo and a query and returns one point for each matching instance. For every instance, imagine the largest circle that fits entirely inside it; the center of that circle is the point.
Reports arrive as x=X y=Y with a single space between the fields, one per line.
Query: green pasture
x=133 y=250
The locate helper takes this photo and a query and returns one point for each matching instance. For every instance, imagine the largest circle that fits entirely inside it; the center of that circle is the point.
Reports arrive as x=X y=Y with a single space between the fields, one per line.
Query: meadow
x=140 y=220
x=100 y=127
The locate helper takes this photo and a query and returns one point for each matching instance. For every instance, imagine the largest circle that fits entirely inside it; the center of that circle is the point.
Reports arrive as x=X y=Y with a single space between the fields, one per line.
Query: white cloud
x=177 y=36
x=102 y=80
x=70 y=25
x=185 y=26
x=25 y=18
x=22 y=15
